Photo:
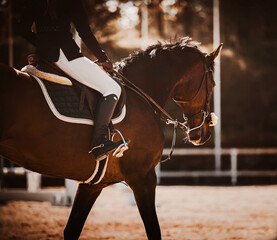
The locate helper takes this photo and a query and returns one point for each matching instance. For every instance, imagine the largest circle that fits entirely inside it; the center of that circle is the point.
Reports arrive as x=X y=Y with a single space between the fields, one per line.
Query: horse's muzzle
x=212 y=119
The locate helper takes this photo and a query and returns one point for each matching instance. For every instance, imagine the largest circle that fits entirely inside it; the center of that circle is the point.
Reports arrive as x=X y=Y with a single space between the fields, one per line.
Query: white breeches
x=90 y=74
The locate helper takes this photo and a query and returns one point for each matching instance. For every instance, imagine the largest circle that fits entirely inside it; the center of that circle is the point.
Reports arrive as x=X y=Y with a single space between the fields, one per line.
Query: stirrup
x=118 y=153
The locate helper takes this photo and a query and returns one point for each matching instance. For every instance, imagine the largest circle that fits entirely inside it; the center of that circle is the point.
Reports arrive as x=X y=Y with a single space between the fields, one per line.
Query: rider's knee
x=114 y=89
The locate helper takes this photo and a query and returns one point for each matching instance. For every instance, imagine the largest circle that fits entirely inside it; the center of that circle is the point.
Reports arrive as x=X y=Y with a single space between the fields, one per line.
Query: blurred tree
x=101 y=13
x=248 y=73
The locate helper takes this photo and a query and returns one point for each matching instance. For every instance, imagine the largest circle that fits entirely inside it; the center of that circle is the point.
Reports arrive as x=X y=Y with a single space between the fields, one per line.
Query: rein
x=144 y=94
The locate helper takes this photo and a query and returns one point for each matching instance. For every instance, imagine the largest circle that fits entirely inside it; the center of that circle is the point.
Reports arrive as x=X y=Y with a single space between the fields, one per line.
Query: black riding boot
x=101 y=145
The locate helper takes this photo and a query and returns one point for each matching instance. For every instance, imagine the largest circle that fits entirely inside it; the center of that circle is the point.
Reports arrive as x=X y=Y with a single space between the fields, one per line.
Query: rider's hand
x=107 y=65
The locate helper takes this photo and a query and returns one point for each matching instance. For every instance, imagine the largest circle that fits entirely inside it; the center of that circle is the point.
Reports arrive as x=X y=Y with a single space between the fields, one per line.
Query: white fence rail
x=33 y=190
x=234 y=173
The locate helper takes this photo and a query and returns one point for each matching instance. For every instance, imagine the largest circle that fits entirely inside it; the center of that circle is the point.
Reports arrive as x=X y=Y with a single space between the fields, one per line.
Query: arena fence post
x=158 y=172
x=71 y=188
x=33 y=181
x=234 y=163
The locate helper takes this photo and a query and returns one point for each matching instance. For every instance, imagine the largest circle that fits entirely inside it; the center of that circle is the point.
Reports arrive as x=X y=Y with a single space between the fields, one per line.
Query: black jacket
x=53 y=31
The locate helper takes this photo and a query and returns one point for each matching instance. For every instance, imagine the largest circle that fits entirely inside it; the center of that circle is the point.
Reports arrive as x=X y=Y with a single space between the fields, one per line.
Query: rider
x=54 y=42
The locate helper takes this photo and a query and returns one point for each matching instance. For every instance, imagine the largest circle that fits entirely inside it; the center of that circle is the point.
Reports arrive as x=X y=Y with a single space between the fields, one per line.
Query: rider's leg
x=91 y=75
x=101 y=145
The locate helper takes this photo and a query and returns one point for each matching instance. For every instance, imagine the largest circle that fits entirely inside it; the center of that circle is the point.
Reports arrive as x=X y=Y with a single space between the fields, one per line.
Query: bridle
x=169 y=120
x=204 y=111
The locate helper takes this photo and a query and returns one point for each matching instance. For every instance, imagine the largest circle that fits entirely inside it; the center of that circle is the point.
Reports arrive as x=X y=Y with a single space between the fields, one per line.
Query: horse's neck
x=156 y=80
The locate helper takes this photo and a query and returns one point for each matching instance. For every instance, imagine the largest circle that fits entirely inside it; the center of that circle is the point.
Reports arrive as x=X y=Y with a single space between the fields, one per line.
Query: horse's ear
x=212 y=56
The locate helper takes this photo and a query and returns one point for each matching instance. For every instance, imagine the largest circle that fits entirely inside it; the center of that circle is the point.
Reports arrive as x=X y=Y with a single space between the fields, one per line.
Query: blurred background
x=246 y=151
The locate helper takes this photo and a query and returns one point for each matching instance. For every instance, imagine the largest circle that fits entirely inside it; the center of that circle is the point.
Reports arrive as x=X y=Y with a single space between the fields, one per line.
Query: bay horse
x=32 y=137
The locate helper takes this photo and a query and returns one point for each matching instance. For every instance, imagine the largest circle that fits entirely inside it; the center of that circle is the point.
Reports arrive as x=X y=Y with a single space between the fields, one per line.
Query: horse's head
x=193 y=93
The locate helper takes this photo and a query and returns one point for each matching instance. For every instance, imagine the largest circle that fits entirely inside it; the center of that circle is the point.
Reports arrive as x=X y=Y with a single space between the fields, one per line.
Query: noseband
x=204 y=111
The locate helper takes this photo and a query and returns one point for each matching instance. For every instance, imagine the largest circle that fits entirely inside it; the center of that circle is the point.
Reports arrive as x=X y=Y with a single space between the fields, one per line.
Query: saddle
x=74 y=102
x=68 y=99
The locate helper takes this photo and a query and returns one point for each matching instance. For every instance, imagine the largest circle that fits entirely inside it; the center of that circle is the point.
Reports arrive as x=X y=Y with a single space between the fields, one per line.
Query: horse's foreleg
x=144 y=190
x=85 y=198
